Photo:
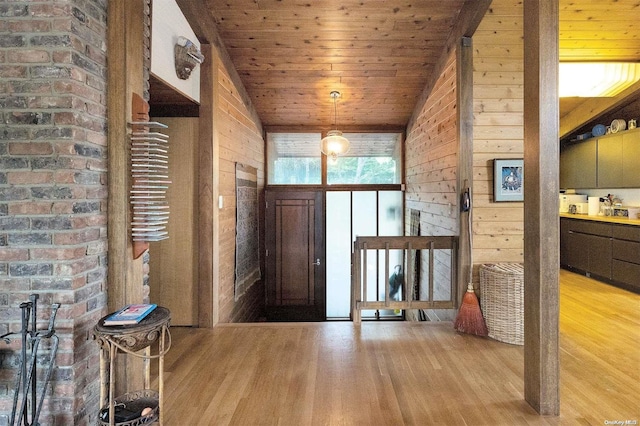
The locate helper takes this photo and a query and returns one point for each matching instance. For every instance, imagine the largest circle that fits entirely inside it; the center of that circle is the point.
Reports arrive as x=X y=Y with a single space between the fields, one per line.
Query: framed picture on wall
x=508 y=179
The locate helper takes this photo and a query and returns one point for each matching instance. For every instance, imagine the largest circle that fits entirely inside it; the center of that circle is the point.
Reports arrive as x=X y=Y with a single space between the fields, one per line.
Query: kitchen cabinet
x=609 y=252
x=626 y=256
x=631 y=159
x=588 y=246
x=610 y=161
x=578 y=165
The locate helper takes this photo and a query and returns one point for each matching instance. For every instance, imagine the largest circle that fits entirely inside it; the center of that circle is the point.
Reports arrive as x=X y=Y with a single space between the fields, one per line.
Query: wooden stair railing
x=360 y=282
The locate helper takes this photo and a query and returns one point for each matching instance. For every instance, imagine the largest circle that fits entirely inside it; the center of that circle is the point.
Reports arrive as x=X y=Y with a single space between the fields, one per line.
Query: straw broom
x=470 y=319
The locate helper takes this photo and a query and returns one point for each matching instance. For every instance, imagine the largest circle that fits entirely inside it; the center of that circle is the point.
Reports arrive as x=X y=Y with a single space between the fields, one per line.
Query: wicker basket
x=502 y=301
x=137 y=401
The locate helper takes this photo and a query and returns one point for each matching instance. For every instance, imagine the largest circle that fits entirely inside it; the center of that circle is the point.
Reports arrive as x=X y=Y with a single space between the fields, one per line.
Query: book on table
x=130 y=314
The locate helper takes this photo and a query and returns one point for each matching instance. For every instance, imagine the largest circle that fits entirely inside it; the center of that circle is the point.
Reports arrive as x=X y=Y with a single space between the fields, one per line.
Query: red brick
x=79 y=193
x=62 y=24
x=99 y=193
x=78 y=267
x=97 y=165
x=29 y=26
x=49 y=10
x=30 y=208
x=64 y=147
x=76 y=88
x=57 y=253
x=12 y=255
x=18 y=178
x=98 y=138
x=64 y=176
x=62 y=57
x=62 y=207
x=28 y=56
x=50 y=102
x=30 y=148
x=13 y=71
x=76 y=237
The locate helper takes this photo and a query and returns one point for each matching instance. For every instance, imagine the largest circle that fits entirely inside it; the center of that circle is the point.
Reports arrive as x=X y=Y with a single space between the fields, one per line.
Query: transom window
x=373 y=158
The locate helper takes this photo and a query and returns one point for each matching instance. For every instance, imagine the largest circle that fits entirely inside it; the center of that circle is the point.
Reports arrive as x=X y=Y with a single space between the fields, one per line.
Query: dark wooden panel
x=577 y=255
x=627 y=274
x=622 y=232
x=599 y=256
x=628 y=251
x=295 y=287
x=592 y=228
x=294 y=238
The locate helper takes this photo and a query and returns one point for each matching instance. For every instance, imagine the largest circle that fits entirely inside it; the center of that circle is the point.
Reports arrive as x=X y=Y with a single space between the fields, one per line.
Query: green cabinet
x=578 y=165
x=631 y=159
x=610 y=161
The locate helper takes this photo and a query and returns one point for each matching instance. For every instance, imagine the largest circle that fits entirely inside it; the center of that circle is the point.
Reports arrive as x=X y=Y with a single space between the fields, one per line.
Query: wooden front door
x=295 y=287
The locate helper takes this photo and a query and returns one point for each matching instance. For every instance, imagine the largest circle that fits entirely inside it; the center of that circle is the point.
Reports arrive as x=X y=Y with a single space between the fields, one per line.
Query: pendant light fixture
x=334 y=143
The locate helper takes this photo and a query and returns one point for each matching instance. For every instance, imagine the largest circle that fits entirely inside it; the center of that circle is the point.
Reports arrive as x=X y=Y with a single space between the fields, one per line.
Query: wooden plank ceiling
x=380 y=54
x=291 y=54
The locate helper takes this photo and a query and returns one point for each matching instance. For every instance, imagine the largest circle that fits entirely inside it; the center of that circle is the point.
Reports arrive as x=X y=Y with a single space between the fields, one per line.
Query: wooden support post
x=541 y=222
x=125 y=40
x=208 y=192
x=464 y=93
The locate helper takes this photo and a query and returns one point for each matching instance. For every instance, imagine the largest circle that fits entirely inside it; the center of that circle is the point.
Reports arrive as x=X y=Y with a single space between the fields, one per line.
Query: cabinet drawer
x=593 y=228
x=631 y=233
x=627 y=273
x=628 y=251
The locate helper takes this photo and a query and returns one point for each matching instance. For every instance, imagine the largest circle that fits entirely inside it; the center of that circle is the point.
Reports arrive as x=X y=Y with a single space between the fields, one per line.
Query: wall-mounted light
x=187 y=56
x=334 y=143
x=596 y=79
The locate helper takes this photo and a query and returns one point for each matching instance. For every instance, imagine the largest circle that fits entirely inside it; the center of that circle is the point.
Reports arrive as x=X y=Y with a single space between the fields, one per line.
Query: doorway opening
x=361 y=195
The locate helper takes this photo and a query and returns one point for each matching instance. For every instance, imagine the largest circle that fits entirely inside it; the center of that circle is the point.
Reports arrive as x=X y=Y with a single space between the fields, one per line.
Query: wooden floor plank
x=393 y=373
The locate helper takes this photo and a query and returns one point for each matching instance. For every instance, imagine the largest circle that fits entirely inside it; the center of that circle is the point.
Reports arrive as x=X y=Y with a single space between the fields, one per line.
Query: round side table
x=131 y=339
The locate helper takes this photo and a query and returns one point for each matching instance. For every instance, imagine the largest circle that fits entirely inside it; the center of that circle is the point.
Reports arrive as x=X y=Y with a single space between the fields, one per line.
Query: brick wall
x=53 y=192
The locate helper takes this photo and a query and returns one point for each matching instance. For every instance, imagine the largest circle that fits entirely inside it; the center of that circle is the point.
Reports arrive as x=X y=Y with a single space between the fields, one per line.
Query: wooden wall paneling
x=125 y=40
x=208 y=152
x=240 y=140
x=173 y=263
x=497 y=131
x=541 y=163
x=432 y=158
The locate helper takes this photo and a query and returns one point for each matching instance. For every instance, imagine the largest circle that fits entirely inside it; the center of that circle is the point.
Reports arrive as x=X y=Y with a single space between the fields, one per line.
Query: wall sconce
x=187 y=56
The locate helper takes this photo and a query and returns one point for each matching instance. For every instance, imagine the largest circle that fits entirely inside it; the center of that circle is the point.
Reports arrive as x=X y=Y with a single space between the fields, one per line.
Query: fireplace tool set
x=27 y=404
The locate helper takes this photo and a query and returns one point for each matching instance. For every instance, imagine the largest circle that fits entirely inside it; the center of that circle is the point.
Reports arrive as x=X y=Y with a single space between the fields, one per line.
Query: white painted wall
x=167 y=24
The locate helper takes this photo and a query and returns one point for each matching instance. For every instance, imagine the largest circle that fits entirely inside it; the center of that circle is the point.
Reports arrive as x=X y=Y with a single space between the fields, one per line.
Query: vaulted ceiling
x=380 y=54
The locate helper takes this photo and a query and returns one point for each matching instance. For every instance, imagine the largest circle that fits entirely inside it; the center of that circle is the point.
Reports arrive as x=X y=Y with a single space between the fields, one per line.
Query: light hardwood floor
x=392 y=373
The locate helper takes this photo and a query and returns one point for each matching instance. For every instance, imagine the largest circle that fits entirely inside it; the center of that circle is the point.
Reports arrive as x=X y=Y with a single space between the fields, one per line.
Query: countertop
x=608 y=219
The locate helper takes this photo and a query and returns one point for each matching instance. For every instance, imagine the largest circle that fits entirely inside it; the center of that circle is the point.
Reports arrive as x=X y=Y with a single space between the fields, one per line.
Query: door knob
x=317 y=262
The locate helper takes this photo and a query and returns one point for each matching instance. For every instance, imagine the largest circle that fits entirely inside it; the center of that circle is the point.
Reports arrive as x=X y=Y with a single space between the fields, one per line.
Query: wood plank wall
x=240 y=140
x=431 y=162
x=431 y=156
x=498 y=130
